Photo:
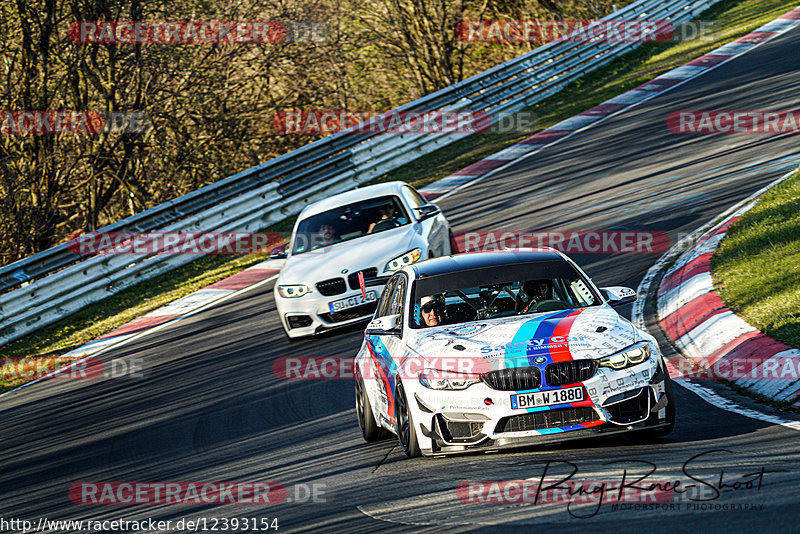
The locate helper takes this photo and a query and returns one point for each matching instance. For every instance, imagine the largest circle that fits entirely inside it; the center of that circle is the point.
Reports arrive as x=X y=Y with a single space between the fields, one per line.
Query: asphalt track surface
x=210 y=408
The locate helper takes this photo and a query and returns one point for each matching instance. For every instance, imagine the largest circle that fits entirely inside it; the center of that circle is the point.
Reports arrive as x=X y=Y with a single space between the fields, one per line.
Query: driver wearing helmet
x=432 y=313
x=531 y=293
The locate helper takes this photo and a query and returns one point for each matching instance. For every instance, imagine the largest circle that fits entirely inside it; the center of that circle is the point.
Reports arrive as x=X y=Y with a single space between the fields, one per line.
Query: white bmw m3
x=494 y=350
x=375 y=231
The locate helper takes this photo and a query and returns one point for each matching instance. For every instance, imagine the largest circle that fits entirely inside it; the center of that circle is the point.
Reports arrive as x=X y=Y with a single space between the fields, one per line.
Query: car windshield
x=485 y=293
x=348 y=222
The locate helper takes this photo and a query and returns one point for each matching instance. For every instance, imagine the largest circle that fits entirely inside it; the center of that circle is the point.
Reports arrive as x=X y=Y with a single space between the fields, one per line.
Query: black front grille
x=563 y=373
x=332 y=286
x=350 y=313
x=518 y=378
x=352 y=279
x=633 y=409
x=548 y=419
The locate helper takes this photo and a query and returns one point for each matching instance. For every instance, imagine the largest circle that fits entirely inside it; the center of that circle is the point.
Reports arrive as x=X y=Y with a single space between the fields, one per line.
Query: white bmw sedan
x=375 y=231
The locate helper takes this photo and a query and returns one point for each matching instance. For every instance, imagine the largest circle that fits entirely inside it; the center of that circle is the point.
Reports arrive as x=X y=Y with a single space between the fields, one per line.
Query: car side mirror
x=388 y=325
x=427 y=211
x=279 y=252
x=618 y=295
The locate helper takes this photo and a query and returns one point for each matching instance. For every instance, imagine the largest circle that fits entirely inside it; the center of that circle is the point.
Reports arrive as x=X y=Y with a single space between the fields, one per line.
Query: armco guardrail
x=55 y=283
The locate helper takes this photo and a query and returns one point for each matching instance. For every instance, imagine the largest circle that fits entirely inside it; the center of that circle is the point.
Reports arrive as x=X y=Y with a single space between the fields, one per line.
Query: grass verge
x=734 y=18
x=756 y=268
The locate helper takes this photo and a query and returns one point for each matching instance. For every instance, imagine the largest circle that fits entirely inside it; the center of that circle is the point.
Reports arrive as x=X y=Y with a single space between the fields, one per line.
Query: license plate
x=546 y=398
x=352 y=302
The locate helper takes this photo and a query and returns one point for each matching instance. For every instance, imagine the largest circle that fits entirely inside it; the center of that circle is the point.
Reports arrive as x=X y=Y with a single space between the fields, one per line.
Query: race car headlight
x=434 y=379
x=406 y=259
x=633 y=355
x=293 y=291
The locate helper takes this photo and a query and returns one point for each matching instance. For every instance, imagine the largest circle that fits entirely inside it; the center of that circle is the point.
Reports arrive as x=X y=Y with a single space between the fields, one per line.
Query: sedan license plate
x=352 y=302
x=546 y=398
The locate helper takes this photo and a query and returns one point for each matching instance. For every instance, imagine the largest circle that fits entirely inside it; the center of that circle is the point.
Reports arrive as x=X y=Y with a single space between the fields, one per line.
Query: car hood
x=355 y=255
x=521 y=341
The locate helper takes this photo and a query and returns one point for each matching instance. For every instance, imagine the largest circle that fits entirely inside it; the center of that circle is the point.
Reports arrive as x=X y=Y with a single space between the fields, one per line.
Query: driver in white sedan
x=387 y=214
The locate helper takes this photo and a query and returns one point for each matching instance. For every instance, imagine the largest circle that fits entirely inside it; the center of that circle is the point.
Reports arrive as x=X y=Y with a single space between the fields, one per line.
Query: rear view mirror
x=388 y=325
x=618 y=295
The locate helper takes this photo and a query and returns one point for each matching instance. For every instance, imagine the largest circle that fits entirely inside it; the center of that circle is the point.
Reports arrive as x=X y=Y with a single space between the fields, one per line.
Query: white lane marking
x=637 y=313
x=694 y=75
x=94 y=346
x=178 y=307
x=574 y=122
x=125 y=341
x=721 y=402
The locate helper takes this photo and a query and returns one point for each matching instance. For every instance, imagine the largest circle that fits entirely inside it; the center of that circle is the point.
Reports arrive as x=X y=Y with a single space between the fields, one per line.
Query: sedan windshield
x=489 y=293
x=348 y=222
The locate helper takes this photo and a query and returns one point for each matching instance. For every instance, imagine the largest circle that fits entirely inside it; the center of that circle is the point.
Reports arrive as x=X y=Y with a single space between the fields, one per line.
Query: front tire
x=404 y=424
x=370 y=429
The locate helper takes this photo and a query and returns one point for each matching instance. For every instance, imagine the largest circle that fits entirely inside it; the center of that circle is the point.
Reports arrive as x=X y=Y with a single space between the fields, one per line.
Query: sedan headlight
x=633 y=355
x=433 y=379
x=406 y=259
x=293 y=291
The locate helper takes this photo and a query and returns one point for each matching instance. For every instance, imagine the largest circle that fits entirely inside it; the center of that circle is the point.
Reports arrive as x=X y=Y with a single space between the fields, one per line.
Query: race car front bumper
x=482 y=418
